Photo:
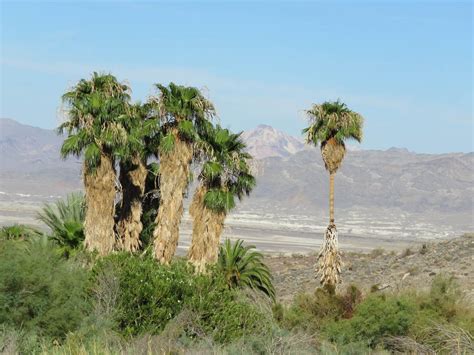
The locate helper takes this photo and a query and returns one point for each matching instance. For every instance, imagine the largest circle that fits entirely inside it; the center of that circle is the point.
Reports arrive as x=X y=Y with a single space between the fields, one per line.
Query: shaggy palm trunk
x=100 y=203
x=207 y=230
x=129 y=226
x=329 y=260
x=174 y=175
x=331 y=198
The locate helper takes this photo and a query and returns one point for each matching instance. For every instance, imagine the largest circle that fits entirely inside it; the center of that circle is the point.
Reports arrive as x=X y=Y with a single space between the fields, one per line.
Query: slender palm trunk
x=174 y=175
x=331 y=198
x=100 y=202
x=329 y=259
x=129 y=226
x=207 y=230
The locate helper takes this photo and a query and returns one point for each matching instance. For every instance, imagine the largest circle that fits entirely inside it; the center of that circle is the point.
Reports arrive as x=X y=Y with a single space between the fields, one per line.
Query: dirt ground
x=409 y=268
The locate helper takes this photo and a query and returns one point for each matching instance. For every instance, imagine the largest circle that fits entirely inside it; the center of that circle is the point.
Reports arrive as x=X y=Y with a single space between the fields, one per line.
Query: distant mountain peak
x=265 y=141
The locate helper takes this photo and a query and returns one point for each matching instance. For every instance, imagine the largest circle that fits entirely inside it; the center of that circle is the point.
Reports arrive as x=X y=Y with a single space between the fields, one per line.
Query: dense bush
x=310 y=312
x=375 y=318
x=39 y=290
x=150 y=295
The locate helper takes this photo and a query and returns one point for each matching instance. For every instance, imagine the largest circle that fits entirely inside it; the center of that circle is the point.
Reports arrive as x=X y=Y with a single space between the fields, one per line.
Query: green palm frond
x=333 y=120
x=219 y=200
x=243 y=267
x=94 y=108
x=225 y=172
x=65 y=218
x=184 y=108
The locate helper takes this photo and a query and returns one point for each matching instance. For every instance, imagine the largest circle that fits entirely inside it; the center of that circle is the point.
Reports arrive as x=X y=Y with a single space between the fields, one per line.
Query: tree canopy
x=333 y=120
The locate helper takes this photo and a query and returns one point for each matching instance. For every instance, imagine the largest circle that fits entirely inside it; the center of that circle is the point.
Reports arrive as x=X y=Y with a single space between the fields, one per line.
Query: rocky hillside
x=422 y=192
x=382 y=270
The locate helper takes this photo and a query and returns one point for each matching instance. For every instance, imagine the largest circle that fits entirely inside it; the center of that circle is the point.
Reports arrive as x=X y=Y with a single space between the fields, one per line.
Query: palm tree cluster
x=330 y=124
x=137 y=160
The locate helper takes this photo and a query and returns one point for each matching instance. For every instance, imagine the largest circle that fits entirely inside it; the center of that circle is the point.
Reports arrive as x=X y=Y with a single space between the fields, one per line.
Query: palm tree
x=94 y=107
x=244 y=267
x=65 y=218
x=132 y=177
x=330 y=124
x=224 y=175
x=183 y=111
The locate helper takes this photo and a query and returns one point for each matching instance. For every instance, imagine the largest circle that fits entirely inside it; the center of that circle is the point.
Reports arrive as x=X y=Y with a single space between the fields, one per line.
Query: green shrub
x=375 y=318
x=151 y=295
x=444 y=296
x=39 y=290
x=312 y=312
x=18 y=232
x=224 y=314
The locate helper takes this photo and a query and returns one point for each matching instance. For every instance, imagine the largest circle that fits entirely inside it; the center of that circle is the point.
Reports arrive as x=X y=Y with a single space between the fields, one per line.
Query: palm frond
x=242 y=266
x=332 y=120
x=65 y=218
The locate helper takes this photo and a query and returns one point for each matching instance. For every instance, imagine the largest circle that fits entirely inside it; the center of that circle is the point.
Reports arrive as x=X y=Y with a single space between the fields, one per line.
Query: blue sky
x=405 y=66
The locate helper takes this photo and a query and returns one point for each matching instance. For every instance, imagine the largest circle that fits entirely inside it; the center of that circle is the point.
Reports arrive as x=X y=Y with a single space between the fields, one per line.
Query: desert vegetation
x=104 y=279
x=84 y=303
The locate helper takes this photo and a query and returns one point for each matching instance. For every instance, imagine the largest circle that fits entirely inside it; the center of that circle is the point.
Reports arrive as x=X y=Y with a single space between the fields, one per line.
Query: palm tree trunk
x=207 y=230
x=331 y=198
x=329 y=260
x=174 y=176
x=100 y=206
x=129 y=226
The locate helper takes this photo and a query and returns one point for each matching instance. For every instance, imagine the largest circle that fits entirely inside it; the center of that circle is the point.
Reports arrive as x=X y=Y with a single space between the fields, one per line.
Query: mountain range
x=291 y=178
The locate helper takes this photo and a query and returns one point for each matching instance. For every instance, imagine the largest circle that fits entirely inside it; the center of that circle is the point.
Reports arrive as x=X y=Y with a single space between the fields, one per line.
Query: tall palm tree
x=225 y=174
x=132 y=177
x=94 y=107
x=330 y=124
x=183 y=111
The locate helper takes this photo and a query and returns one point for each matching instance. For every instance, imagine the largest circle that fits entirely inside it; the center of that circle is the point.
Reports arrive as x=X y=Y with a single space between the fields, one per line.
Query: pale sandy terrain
x=279 y=233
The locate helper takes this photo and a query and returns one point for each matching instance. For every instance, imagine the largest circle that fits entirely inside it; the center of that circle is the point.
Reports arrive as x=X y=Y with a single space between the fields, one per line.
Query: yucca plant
x=243 y=267
x=330 y=124
x=65 y=218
